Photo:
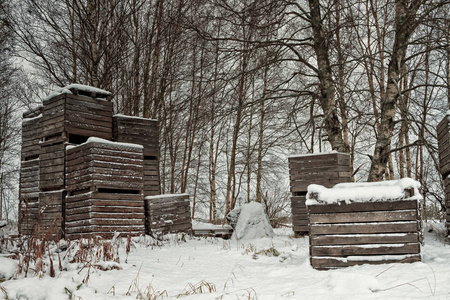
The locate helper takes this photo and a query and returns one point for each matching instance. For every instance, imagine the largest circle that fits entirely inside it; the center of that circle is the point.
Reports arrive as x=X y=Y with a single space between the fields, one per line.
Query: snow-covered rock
x=252 y=222
x=8 y=268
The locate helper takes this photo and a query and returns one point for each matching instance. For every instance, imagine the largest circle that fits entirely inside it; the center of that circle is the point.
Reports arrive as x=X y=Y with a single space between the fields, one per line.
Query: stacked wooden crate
x=352 y=229
x=144 y=132
x=443 y=134
x=104 y=182
x=29 y=171
x=168 y=213
x=326 y=169
x=68 y=117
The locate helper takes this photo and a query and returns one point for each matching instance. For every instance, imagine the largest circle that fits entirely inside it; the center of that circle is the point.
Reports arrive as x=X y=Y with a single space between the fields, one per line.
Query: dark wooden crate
x=447 y=203
x=101 y=214
x=137 y=130
x=70 y=114
x=443 y=136
x=168 y=213
x=326 y=169
x=51 y=166
x=51 y=212
x=100 y=164
x=31 y=135
x=151 y=177
x=346 y=234
x=28 y=213
x=29 y=178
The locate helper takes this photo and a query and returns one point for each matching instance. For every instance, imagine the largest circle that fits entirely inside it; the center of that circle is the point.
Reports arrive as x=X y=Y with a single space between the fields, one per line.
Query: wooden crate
x=144 y=132
x=326 y=169
x=350 y=233
x=71 y=116
x=168 y=213
x=28 y=213
x=51 y=212
x=99 y=165
x=137 y=130
x=51 y=166
x=299 y=215
x=31 y=135
x=447 y=203
x=101 y=214
x=443 y=136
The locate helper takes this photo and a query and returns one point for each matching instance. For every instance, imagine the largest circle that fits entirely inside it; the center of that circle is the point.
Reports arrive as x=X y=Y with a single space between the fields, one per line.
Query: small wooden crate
x=71 y=116
x=101 y=214
x=99 y=165
x=326 y=169
x=447 y=203
x=350 y=233
x=443 y=135
x=142 y=131
x=28 y=213
x=168 y=213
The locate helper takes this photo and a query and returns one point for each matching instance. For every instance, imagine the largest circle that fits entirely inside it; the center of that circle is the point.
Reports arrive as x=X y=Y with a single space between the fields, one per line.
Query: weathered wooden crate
x=101 y=214
x=28 y=213
x=74 y=114
x=31 y=135
x=103 y=166
x=51 y=212
x=443 y=135
x=51 y=166
x=326 y=169
x=142 y=131
x=168 y=213
x=350 y=231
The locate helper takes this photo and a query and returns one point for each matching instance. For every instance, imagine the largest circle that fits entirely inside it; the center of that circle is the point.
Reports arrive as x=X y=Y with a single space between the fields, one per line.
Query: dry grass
x=202 y=287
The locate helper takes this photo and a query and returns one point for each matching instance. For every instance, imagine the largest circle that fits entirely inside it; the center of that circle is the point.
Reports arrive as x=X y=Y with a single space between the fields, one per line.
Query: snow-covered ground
x=276 y=268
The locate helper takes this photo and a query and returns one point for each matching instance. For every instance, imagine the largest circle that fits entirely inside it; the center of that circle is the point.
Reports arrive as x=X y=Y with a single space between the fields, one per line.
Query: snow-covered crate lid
x=86 y=90
x=384 y=191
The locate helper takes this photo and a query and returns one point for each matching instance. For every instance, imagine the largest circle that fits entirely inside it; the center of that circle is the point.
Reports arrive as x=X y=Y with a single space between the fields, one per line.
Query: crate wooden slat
x=71 y=114
x=447 y=203
x=352 y=232
x=92 y=213
x=103 y=164
x=168 y=213
x=326 y=169
x=28 y=213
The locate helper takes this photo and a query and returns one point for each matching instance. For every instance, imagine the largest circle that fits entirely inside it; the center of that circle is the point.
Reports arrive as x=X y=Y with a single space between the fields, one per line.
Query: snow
x=103 y=141
x=241 y=270
x=26 y=120
x=132 y=117
x=165 y=196
x=87 y=88
x=252 y=222
x=57 y=92
x=363 y=191
x=8 y=268
x=312 y=154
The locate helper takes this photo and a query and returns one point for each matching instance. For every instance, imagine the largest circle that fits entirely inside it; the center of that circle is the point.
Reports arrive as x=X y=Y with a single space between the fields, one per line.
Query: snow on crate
x=391 y=190
x=364 y=223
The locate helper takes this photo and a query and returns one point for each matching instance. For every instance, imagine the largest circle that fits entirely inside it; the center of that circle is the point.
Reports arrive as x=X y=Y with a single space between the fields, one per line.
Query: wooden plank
x=388 y=205
x=329 y=263
x=323 y=240
x=373 y=216
x=379 y=227
x=345 y=250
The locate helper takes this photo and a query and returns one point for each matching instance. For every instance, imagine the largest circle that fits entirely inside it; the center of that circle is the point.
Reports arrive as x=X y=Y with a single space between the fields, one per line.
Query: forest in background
x=237 y=86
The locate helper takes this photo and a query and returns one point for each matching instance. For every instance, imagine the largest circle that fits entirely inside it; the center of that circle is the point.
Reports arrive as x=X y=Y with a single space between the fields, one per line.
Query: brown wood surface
x=373 y=216
x=388 y=205
x=385 y=227
x=347 y=250
x=329 y=263
x=324 y=240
